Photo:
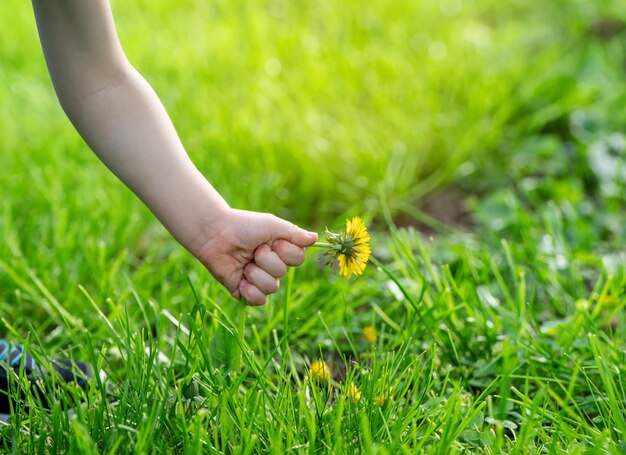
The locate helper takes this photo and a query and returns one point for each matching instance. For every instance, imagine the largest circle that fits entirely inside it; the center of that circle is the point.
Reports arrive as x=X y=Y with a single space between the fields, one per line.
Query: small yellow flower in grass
x=350 y=247
x=369 y=332
x=381 y=398
x=354 y=393
x=320 y=370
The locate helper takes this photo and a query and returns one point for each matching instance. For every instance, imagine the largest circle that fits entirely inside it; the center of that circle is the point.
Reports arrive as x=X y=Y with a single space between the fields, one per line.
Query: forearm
x=128 y=128
x=122 y=120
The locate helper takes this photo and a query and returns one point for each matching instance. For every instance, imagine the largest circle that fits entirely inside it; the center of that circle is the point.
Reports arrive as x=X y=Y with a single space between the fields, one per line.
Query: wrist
x=207 y=226
x=187 y=205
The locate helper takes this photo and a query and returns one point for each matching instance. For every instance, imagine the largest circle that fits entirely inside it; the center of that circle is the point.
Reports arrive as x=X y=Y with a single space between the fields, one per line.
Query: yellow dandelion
x=320 y=370
x=354 y=393
x=356 y=252
x=369 y=332
x=350 y=247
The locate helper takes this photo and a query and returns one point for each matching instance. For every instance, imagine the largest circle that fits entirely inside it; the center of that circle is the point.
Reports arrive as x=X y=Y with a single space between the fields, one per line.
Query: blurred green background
x=312 y=109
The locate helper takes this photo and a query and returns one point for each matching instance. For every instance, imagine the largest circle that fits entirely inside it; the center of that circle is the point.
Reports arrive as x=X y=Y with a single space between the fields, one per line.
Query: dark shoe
x=13 y=356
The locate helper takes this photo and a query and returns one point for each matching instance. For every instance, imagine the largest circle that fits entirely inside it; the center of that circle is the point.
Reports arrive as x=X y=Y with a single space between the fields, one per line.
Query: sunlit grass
x=329 y=104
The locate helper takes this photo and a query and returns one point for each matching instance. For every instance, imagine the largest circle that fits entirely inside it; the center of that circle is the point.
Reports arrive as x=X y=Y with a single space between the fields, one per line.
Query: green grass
x=505 y=337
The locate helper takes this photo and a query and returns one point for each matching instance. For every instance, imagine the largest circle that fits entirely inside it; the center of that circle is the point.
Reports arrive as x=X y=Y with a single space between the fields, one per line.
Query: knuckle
x=278 y=246
x=262 y=250
x=286 y=247
x=248 y=269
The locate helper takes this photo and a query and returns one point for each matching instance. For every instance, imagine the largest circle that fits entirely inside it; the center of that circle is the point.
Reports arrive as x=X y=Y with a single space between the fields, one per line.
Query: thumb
x=281 y=229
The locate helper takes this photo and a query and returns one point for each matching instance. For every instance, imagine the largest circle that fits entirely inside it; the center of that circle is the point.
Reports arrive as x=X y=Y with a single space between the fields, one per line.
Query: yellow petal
x=320 y=370
x=354 y=393
x=369 y=333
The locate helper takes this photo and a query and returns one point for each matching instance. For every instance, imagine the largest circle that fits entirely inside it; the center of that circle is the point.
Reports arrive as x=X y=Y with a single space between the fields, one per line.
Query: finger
x=236 y=294
x=282 y=229
x=290 y=254
x=266 y=283
x=269 y=261
x=251 y=293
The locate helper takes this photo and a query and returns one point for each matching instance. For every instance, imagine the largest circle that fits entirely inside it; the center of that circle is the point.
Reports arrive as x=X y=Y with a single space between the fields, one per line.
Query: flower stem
x=322 y=245
x=240 y=317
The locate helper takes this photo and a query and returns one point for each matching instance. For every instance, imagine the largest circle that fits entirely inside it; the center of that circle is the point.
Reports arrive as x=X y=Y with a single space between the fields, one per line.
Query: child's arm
x=120 y=117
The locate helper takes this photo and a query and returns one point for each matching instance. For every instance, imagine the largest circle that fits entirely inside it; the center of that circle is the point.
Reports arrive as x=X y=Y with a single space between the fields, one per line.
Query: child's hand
x=248 y=252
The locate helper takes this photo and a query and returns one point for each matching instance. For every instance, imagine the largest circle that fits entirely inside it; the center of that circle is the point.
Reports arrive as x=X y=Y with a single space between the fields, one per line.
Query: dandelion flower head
x=320 y=370
x=351 y=247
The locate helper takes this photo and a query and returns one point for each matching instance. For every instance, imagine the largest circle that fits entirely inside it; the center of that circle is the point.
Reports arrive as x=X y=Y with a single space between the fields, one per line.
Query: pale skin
x=122 y=120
